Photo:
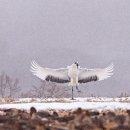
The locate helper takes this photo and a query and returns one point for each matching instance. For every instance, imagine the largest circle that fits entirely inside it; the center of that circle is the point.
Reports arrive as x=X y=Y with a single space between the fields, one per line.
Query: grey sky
x=57 y=32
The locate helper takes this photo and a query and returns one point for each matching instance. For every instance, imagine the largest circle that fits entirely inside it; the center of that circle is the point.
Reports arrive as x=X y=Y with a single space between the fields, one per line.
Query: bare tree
x=27 y=94
x=13 y=86
x=8 y=86
x=3 y=84
x=38 y=92
x=50 y=90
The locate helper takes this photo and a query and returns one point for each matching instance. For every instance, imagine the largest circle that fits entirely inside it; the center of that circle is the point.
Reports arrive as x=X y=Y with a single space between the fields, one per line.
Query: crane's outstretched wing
x=88 y=75
x=48 y=74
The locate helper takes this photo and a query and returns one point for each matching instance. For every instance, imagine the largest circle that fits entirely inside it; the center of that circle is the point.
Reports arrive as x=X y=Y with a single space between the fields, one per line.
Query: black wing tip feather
x=56 y=79
x=88 y=79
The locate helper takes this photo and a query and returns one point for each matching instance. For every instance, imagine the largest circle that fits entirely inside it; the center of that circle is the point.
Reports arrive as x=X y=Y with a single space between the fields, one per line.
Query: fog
x=57 y=33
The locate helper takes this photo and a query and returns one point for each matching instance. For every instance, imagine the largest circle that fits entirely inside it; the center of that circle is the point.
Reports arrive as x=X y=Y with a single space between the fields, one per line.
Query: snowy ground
x=98 y=103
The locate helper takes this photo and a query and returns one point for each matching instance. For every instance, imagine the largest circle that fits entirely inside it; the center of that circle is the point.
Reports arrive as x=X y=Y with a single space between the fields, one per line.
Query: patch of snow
x=98 y=103
x=69 y=106
x=87 y=99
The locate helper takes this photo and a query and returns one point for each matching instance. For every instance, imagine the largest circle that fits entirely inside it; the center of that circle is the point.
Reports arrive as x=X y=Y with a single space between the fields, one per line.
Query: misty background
x=57 y=33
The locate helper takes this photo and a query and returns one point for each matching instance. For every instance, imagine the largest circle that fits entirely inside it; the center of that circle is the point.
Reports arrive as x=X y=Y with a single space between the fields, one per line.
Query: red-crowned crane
x=74 y=75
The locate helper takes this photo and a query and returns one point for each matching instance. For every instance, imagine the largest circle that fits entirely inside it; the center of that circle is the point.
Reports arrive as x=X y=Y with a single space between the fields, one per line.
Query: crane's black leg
x=78 y=89
x=72 y=93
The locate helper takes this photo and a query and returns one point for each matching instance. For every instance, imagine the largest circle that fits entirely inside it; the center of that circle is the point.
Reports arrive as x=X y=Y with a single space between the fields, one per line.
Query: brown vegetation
x=14 y=119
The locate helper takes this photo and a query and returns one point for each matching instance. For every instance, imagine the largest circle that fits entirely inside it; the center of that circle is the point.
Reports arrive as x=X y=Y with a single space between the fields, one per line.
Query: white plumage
x=72 y=74
x=59 y=75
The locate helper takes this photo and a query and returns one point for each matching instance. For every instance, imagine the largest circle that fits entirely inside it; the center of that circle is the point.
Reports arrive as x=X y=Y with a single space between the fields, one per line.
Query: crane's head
x=76 y=63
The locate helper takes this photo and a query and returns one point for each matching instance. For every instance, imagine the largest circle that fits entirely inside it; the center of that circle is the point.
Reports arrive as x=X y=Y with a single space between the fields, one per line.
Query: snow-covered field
x=98 y=103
